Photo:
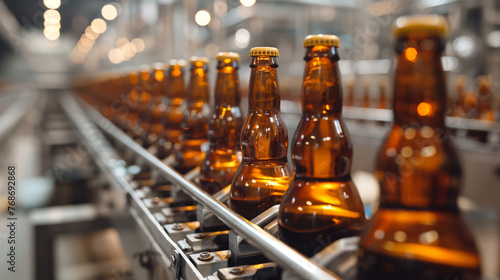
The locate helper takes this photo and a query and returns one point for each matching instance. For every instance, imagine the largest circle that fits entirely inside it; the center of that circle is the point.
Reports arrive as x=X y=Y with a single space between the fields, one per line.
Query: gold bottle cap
x=195 y=59
x=145 y=68
x=426 y=24
x=231 y=55
x=264 y=51
x=158 y=66
x=174 y=62
x=321 y=40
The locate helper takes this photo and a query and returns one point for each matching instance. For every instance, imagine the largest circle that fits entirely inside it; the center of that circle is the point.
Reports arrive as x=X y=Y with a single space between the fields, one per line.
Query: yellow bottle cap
x=174 y=62
x=195 y=59
x=264 y=51
x=231 y=55
x=321 y=40
x=426 y=25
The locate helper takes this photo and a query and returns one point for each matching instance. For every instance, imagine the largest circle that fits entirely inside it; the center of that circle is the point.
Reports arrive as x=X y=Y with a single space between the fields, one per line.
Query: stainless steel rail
x=109 y=163
x=273 y=248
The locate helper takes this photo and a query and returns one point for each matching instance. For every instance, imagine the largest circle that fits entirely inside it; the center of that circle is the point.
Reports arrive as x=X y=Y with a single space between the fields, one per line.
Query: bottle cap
x=231 y=55
x=144 y=68
x=174 y=62
x=420 y=24
x=195 y=59
x=158 y=66
x=264 y=51
x=321 y=40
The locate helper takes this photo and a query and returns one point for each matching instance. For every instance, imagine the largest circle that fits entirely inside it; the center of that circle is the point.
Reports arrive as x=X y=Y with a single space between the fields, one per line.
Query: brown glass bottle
x=264 y=175
x=322 y=204
x=458 y=109
x=119 y=106
x=418 y=232
x=132 y=102
x=224 y=127
x=366 y=101
x=351 y=85
x=144 y=87
x=382 y=97
x=194 y=123
x=485 y=99
x=152 y=125
x=169 y=140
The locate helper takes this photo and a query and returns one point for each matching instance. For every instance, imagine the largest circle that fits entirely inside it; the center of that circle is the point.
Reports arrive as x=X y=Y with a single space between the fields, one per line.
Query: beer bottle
x=322 y=203
x=224 y=128
x=485 y=99
x=169 y=140
x=264 y=175
x=458 y=109
x=113 y=87
x=470 y=104
x=418 y=232
x=194 y=123
x=366 y=102
x=143 y=103
x=382 y=98
x=132 y=102
x=119 y=106
x=152 y=125
x=351 y=85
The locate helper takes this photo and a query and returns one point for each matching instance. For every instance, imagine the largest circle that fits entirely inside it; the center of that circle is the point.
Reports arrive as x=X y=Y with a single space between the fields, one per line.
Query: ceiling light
x=109 y=12
x=202 y=18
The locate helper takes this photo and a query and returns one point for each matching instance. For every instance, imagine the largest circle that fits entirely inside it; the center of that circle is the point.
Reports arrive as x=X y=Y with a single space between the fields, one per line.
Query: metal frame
x=270 y=246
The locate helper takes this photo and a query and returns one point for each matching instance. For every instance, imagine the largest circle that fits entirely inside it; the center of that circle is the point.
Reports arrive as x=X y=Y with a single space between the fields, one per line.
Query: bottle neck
x=227 y=87
x=321 y=91
x=159 y=89
x=198 y=92
x=264 y=88
x=175 y=83
x=419 y=91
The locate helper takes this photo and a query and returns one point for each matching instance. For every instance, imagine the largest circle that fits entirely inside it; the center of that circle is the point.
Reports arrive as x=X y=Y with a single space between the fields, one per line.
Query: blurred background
x=45 y=45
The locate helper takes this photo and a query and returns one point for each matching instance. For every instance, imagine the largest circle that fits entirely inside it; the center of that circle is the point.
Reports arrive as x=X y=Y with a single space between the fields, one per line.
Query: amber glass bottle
x=194 y=123
x=485 y=99
x=382 y=97
x=322 y=203
x=143 y=102
x=131 y=101
x=366 y=101
x=224 y=127
x=264 y=175
x=119 y=106
x=458 y=109
x=152 y=125
x=418 y=232
x=351 y=85
x=169 y=140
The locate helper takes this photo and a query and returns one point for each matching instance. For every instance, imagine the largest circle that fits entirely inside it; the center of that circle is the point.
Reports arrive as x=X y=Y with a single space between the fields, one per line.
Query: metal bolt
x=205 y=256
x=236 y=270
x=200 y=236
x=156 y=200
x=178 y=226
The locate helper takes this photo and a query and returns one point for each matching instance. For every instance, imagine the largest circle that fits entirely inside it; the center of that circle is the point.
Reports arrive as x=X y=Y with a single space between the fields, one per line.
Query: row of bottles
x=365 y=100
x=478 y=103
x=417 y=233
